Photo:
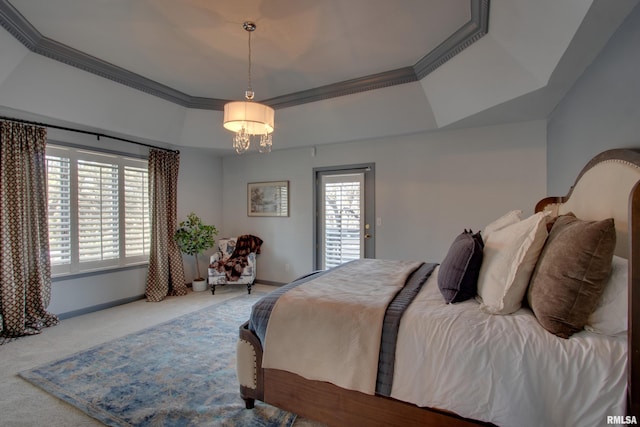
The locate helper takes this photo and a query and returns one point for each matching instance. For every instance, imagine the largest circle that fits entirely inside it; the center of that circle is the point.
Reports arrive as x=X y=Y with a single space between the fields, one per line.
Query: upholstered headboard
x=602 y=191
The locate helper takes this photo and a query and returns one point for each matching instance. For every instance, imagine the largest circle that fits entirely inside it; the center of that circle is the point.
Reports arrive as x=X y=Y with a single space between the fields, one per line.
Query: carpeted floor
x=22 y=404
x=181 y=372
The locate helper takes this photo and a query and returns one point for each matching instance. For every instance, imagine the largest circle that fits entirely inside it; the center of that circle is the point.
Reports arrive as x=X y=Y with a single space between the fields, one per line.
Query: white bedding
x=345 y=308
x=505 y=369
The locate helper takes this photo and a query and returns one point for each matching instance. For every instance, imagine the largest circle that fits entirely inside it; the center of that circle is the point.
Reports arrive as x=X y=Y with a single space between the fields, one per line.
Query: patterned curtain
x=166 y=272
x=25 y=269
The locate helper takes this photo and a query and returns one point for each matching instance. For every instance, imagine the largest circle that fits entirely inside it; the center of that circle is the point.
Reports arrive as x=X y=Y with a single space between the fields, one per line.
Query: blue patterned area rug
x=178 y=373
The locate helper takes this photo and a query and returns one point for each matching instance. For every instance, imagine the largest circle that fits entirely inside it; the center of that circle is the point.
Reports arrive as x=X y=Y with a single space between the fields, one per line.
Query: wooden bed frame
x=334 y=406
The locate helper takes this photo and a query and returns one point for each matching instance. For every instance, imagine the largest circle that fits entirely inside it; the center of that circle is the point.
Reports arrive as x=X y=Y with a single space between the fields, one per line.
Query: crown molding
x=18 y=26
x=466 y=35
x=347 y=87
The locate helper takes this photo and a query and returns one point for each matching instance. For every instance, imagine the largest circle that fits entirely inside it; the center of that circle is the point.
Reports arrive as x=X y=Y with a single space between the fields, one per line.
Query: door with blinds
x=344 y=215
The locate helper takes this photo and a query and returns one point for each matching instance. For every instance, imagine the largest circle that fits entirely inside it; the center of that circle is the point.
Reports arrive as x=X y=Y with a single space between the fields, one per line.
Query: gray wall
x=602 y=110
x=429 y=187
x=200 y=191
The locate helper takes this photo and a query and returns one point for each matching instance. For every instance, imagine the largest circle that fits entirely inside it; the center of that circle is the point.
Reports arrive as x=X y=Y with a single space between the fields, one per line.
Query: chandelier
x=248 y=118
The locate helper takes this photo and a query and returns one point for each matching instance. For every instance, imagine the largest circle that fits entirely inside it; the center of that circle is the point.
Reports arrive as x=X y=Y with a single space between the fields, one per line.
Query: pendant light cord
x=249 y=74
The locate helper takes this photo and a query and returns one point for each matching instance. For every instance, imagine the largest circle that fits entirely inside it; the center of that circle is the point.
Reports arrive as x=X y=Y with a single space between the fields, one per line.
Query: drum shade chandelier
x=249 y=118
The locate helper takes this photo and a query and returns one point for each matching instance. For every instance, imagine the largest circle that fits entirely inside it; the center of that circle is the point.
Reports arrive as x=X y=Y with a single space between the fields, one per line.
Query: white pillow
x=610 y=317
x=509 y=257
x=509 y=218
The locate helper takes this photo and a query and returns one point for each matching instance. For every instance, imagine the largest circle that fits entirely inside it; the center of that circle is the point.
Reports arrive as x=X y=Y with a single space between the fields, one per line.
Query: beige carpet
x=22 y=404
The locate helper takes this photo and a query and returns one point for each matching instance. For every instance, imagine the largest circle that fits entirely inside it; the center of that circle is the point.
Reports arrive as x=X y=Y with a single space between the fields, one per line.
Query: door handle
x=367 y=236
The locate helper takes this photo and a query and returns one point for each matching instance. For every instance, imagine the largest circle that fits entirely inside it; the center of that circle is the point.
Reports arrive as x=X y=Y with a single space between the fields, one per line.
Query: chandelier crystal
x=249 y=118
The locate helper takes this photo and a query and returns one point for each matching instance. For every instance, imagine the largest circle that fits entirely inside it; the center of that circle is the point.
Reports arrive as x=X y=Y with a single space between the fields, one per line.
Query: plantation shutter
x=98 y=210
x=59 y=209
x=98 y=218
x=343 y=222
x=136 y=216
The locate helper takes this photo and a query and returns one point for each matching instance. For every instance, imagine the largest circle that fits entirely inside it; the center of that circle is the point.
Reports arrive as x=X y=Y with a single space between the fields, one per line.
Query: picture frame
x=268 y=198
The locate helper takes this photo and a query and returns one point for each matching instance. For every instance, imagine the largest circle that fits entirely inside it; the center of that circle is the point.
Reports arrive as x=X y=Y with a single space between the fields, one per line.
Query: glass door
x=344 y=214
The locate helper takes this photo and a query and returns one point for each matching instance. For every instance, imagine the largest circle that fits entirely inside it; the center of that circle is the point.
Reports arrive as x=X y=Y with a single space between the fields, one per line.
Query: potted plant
x=193 y=237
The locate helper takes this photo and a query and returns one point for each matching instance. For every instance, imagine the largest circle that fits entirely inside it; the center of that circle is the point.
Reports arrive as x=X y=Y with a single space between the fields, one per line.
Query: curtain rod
x=86 y=132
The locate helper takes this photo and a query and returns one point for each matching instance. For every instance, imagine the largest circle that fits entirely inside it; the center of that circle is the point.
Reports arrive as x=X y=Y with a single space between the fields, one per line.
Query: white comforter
x=505 y=369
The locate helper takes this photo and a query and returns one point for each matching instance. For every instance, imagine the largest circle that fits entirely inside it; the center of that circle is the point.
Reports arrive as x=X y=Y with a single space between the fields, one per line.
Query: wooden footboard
x=335 y=406
x=325 y=402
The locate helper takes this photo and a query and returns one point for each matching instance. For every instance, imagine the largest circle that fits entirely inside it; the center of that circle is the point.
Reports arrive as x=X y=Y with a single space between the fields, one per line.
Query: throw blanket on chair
x=235 y=265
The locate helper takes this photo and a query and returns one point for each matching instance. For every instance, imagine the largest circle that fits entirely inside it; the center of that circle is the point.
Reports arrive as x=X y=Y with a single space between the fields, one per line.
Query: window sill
x=106 y=270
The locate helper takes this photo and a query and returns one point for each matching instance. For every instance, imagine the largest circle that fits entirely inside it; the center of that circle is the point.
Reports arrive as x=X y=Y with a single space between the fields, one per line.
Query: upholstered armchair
x=235 y=262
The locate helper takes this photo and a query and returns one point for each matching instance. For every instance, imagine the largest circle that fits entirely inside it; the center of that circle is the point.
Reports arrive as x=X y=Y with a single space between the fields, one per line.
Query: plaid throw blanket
x=235 y=265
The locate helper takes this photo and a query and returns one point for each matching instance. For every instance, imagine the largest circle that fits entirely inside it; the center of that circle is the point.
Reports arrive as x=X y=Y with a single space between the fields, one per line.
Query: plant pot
x=199 y=285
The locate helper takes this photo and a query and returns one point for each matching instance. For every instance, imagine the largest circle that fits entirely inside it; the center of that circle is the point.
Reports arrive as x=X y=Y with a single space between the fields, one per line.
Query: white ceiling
x=200 y=48
x=533 y=53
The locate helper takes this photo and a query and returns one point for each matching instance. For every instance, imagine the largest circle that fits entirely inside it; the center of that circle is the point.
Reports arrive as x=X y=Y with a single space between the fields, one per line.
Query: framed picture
x=268 y=198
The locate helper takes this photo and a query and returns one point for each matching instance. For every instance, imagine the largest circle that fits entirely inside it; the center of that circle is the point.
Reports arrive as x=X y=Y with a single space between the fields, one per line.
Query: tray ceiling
x=195 y=52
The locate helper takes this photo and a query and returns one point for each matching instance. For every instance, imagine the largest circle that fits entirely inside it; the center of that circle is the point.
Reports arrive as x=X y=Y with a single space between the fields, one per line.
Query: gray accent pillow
x=458 y=273
x=571 y=273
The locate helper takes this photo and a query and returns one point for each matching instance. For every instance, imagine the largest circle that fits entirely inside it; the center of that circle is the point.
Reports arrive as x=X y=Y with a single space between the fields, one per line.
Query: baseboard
x=98 y=307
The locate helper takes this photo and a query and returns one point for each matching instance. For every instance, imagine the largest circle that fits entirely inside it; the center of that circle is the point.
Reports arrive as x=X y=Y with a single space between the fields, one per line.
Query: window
x=136 y=211
x=342 y=220
x=98 y=210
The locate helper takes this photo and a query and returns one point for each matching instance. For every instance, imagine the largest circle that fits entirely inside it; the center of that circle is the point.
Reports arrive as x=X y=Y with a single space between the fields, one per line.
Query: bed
x=479 y=352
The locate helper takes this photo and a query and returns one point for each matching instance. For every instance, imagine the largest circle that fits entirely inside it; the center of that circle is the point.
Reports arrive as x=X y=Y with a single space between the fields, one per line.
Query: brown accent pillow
x=571 y=273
